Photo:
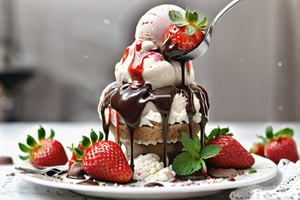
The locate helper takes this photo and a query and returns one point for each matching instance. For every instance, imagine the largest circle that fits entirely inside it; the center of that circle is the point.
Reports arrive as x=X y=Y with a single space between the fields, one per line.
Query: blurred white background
x=251 y=71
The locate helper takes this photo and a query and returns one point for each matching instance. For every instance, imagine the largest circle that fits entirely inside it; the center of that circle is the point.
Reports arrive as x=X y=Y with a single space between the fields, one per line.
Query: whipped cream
x=148 y=168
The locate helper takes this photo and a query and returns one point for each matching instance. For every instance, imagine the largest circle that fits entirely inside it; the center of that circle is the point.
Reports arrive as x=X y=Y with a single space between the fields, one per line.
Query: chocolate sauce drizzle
x=130 y=100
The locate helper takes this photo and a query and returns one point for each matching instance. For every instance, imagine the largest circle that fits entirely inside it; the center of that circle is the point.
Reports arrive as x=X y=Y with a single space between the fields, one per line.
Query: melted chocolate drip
x=130 y=100
x=88 y=182
x=153 y=184
x=76 y=171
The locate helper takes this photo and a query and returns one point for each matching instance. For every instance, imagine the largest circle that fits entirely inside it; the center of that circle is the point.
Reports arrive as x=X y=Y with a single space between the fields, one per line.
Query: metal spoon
x=202 y=47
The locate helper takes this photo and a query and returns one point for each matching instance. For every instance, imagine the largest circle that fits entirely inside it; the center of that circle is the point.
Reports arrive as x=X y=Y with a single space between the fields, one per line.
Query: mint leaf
x=210 y=151
x=185 y=164
x=191 y=146
x=252 y=171
x=177 y=18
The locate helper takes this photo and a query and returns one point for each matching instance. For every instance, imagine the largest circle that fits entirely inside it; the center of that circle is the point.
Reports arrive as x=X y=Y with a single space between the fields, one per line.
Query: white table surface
x=12 y=188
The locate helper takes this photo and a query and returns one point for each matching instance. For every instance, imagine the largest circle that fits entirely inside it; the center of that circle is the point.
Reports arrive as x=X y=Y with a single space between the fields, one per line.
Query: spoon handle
x=224 y=11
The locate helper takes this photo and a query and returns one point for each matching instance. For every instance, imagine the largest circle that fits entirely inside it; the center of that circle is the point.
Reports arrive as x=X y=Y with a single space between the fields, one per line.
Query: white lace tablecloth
x=285 y=186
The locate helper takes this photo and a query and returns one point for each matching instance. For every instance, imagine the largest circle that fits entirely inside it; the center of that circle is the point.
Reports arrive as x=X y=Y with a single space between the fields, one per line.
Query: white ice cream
x=154 y=23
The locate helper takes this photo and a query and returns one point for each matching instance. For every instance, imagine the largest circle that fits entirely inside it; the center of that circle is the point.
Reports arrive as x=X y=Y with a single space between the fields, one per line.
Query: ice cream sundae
x=154 y=98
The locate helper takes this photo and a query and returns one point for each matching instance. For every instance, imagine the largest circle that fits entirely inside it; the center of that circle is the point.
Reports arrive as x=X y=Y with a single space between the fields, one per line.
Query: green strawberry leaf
x=31 y=141
x=202 y=24
x=185 y=164
x=177 y=18
x=52 y=134
x=78 y=152
x=41 y=133
x=269 y=132
x=191 y=16
x=286 y=132
x=85 y=142
x=264 y=140
x=24 y=148
x=216 y=132
x=24 y=157
x=93 y=136
x=190 y=30
x=101 y=136
x=210 y=151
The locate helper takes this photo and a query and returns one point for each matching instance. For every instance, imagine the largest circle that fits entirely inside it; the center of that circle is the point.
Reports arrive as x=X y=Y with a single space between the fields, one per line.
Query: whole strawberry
x=45 y=152
x=281 y=145
x=258 y=149
x=85 y=143
x=232 y=155
x=74 y=158
x=185 y=33
x=105 y=160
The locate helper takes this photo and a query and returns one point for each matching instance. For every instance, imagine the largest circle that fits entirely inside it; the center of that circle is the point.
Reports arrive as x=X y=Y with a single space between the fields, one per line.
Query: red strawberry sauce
x=136 y=67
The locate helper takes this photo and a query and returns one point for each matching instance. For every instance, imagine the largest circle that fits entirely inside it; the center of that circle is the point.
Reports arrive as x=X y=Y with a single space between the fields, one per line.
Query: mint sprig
x=190 y=20
x=192 y=159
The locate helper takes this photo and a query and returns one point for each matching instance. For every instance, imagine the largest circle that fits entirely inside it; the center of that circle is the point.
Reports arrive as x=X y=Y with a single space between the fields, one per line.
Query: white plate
x=266 y=170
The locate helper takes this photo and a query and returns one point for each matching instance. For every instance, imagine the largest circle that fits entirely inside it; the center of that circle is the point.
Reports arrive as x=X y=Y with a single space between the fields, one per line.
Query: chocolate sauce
x=193 y=177
x=88 y=182
x=130 y=99
x=153 y=184
x=6 y=160
x=76 y=171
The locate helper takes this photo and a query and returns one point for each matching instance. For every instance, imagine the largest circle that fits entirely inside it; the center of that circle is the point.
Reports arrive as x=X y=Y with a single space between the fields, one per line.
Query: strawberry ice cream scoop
x=154 y=23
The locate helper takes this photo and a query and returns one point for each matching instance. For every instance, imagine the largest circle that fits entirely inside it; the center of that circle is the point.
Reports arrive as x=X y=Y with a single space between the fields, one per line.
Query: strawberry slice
x=46 y=152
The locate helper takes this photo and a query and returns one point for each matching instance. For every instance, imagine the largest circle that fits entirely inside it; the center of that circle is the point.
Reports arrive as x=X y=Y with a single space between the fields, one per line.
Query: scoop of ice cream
x=142 y=58
x=154 y=23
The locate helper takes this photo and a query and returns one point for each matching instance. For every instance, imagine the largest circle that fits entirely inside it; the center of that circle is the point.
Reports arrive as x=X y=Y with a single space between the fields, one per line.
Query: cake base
x=150 y=139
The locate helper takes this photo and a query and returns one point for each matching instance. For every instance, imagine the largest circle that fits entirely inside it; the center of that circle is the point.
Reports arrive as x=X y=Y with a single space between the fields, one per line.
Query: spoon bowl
x=202 y=47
